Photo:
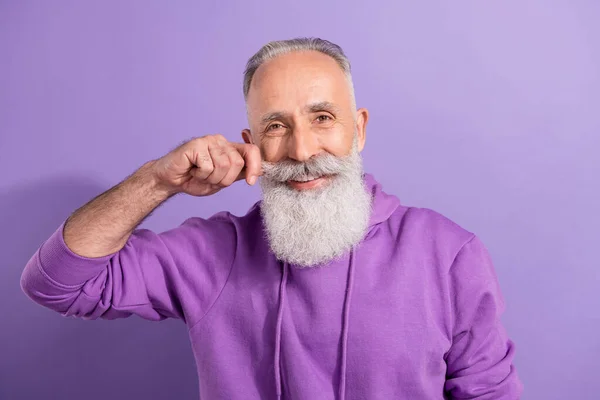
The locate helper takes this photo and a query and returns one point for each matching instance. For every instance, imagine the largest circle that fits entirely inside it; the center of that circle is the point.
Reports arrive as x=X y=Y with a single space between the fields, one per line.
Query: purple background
x=488 y=112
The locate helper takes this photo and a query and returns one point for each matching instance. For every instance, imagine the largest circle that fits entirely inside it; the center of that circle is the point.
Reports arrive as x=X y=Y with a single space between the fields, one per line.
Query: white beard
x=312 y=227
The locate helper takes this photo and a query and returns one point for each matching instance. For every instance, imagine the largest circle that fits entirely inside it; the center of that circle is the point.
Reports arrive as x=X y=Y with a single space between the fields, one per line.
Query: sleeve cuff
x=63 y=266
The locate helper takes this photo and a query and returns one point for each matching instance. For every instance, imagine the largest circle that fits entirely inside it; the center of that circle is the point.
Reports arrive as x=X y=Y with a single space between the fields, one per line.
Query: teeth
x=306 y=178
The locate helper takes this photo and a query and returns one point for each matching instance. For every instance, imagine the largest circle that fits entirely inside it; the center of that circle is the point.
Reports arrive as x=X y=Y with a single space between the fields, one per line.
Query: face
x=315 y=207
x=300 y=106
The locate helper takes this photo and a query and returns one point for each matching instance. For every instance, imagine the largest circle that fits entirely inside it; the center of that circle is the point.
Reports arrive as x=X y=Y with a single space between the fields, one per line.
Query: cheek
x=339 y=144
x=272 y=149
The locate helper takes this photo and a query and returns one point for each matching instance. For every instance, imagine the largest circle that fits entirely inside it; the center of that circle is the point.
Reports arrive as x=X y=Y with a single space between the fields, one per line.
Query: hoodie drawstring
x=278 y=330
x=345 y=324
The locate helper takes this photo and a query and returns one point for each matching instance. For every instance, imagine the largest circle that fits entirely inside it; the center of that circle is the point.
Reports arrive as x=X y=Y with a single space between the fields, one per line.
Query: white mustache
x=290 y=170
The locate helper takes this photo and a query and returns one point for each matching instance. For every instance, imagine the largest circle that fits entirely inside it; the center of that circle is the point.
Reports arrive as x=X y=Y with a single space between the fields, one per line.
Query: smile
x=310 y=182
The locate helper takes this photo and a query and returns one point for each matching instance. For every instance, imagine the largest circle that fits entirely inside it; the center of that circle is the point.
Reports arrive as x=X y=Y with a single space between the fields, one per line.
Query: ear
x=247 y=136
x=362 y=117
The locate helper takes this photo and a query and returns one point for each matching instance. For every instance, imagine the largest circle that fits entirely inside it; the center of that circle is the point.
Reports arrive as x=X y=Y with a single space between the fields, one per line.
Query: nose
x=303 y=144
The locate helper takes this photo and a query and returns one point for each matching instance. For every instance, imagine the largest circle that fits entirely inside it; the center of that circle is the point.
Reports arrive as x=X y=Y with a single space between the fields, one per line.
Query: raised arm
x=97 y=264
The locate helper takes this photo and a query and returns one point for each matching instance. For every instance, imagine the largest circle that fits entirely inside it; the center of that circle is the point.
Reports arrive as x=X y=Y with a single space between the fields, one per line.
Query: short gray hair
x=274 y=49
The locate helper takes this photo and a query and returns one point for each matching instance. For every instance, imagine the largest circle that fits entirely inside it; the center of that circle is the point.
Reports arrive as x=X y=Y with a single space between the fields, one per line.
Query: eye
x=324 y=118
x=274 y=126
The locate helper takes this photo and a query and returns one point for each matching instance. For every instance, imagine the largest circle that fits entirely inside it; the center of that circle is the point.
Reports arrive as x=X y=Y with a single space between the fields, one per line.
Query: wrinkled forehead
x=293 y=81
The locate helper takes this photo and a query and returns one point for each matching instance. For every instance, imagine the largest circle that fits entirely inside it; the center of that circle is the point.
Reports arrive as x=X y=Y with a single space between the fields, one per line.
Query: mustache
x=320 y=165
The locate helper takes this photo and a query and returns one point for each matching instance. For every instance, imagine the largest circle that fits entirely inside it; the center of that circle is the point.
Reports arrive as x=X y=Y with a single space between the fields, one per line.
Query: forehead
x=291 y=81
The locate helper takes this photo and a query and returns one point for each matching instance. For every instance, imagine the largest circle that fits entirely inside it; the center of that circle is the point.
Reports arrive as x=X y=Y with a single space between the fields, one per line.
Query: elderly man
x=327 y=288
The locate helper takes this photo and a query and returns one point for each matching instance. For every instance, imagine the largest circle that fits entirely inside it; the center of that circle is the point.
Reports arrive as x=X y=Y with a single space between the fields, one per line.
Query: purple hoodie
x=411 y=313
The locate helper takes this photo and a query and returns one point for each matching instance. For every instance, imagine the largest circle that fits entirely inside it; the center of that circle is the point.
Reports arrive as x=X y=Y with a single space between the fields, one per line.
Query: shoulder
x=223 y=221
x=427 y=222
x=429 y=232
x=222 y=233
x=194 y=234
x=222 y=227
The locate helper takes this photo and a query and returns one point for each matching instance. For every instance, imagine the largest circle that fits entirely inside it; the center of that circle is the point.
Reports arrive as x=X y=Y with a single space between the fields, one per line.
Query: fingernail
x=252 y=180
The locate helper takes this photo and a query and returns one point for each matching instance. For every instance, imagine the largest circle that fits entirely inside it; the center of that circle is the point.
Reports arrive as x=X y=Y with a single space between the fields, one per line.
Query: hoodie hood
x=383 y=205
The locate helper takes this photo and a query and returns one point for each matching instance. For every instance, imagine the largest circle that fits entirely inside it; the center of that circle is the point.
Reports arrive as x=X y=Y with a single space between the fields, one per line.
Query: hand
x=207 y=164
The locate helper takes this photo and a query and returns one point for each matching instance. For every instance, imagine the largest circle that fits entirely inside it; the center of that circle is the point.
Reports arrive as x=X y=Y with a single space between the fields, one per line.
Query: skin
x=299 y=106
x=307 y=101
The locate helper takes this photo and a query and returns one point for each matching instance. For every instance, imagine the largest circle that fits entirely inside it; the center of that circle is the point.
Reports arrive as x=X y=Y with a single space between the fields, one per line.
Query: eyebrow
x=311 y=108
x=322 y=106
x=272 y=117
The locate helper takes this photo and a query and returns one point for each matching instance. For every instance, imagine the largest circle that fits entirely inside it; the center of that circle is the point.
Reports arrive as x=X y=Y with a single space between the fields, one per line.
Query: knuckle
x=204 y=158
x=198 y=140
x=222 y=163
x=207 y=168
x=197 y=145
x=220 y=138
x=238 y=161
x=219 y=152
x=205 y=140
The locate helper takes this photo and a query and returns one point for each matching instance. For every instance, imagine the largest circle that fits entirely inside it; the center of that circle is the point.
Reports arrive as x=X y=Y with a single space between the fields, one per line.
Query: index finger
x=252 y=162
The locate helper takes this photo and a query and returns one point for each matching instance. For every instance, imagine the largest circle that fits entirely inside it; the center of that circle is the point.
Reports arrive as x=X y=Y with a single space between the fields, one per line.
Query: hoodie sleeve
x=177 y=273
x=479 y=362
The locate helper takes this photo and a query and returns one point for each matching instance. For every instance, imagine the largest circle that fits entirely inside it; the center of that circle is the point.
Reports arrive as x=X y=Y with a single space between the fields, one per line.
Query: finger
x=252 y=162
x=236 y=162
x=220 y=160
x=203 y=164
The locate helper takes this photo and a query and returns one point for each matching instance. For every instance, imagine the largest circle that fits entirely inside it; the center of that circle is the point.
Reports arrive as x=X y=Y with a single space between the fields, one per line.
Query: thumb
x=252 y=161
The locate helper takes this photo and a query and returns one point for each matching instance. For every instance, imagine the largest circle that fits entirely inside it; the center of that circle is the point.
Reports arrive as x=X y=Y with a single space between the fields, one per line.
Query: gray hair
x=277 y=48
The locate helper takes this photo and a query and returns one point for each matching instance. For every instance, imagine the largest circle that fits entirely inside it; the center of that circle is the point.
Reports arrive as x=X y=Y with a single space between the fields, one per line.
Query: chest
x=398 y=316
x=398 y=312
x=397 y=329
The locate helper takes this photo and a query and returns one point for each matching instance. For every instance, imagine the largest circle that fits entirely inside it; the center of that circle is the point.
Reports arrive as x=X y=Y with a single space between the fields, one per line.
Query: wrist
x=149 y=177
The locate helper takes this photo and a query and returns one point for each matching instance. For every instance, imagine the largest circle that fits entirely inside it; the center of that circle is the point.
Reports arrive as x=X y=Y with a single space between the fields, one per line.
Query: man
x=328 y=288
